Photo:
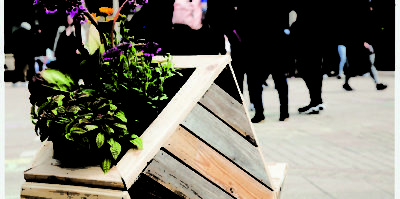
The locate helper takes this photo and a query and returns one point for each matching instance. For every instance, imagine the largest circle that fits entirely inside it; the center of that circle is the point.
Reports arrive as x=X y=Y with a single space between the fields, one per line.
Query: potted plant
x=97 y=120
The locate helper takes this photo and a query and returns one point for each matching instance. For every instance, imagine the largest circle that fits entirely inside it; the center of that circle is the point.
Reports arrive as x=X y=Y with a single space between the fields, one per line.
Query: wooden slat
x=215 y=167
x=45 y=151
x=227 y=81
x=195 y=61
x=229 y=110
x=134 y=161
x=226 y=141
x=47 y=169
x=277 y=173
x=55 y=191
x=147 y=188
x=181 y=180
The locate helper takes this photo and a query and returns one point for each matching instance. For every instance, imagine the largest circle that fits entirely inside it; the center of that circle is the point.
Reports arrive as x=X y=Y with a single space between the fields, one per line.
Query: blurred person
x=354 y=39
x=66 y=51
x=309 y=32
x=264 y=38
x=23 y=53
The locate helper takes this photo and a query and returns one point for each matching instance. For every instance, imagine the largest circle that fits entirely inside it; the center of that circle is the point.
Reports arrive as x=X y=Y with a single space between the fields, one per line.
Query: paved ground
x=346 y=152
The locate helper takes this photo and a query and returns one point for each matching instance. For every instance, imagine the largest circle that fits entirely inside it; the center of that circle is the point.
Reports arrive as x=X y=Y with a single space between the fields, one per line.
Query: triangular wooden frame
x=202 y=145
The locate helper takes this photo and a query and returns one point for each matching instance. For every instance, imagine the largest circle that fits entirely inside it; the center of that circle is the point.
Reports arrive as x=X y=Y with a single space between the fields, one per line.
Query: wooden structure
x=202 y=145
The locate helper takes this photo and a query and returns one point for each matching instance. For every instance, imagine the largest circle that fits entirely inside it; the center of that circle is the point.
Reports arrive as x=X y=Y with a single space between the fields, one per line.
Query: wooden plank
x=134 y=161
x=43 y=190
x=45 y=151
x=195 y=61
x=277 y=173
x=181 y=180
x=147 y=188
x=215 y=167
x=227 y=81
x=229 y=110
x=226 y=141
x=48 y=170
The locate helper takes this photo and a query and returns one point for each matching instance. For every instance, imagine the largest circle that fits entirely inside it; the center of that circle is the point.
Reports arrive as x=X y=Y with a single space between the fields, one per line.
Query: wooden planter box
x=202 y=145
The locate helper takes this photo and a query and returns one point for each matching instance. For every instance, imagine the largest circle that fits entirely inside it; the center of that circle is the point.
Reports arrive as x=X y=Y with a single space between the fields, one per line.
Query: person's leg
x=374 y=73
x=311 y=73
x=281 y=86
x=349 y=74
x=254 y=80
x=343 y=59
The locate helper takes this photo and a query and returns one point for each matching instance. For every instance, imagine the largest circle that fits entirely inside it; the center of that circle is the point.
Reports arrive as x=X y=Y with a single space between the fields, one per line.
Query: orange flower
x=106 y=10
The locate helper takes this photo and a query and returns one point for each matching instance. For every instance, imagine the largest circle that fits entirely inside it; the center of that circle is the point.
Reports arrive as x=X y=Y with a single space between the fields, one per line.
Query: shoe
x=381 y=86
x=310 y=109
x=347 y=87
x=258 y=118
x=321 y=106
x=341 y=76
x=284 y=117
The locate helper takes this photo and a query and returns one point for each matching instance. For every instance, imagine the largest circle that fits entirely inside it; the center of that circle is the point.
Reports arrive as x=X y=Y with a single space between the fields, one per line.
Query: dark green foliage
x=105 y=116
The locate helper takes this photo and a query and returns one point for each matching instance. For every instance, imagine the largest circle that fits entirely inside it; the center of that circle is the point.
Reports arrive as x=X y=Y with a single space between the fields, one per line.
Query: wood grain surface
x=215 y=167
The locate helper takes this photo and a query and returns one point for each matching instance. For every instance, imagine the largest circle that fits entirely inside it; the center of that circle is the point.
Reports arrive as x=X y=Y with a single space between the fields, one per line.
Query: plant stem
x=115 y=19
x=94 y=22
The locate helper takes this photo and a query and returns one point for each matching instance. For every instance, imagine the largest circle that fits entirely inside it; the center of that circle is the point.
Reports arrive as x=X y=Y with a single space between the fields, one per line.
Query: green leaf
x=122 y=126
x=115 y=148
x=57 y=79
x=77 y=130
x=91 y=127
x=113 y=107
x=121 y=116
x=54 y=111
x=163 y=97
x=137 y=142
x=68 y=136
x=100 y=140
x=93 y=42
x=74 y=109
x=109 y=129
x=106 y=165
x=59 y=99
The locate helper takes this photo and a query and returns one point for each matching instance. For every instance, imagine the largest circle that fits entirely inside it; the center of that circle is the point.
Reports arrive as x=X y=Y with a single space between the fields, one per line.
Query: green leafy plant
x=101 y=116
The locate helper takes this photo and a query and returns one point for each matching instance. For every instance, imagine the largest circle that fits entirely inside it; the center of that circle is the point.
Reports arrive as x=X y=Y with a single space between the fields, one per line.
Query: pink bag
x=188 y=13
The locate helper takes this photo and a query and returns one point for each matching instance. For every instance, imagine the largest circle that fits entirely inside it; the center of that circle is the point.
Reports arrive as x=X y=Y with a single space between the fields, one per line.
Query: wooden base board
x=55 y=191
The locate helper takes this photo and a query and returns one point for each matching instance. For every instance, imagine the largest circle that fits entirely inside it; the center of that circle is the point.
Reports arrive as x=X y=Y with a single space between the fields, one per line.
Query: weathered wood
x=48 y=170
x=43 y=190
x=226 y=141
x=227 y=81
x=215 y=167
x=147 y=188
x=277 y=173
x=229 y=110
x=195 y=61
x=45 y=151
x=134 y=161
x=181 y=180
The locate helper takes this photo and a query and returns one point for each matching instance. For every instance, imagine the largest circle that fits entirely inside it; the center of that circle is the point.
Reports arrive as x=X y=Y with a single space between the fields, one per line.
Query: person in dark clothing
x=264 y=47
x=309 y=32
x=66 y=51
x=355 y=36
x=23 y=53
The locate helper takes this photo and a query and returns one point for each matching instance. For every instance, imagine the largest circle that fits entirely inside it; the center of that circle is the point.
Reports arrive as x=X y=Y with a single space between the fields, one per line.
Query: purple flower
x=50 y=11
x=137 y=3
x=74 y=8
x=150 y=49
x=117 y=51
